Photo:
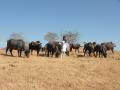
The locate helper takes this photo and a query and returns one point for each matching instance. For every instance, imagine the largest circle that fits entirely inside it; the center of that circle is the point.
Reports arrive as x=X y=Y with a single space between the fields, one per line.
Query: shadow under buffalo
x=80 y=56
x=6 y=55
x=42 y=55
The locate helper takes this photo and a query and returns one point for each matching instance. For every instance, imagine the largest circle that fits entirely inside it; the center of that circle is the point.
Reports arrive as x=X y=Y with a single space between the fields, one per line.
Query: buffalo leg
x=89 y=53
x=99 y=53
x=52 y=53
x=48 y=53
x=31 y=51
x=45 y=52
x=7 y=50
x=78 y=50
x=96 y=53
x=112 y=50
x=18 y=53
x=75 y=50
x=38 y=52
x=11 y=52
x=85 y=52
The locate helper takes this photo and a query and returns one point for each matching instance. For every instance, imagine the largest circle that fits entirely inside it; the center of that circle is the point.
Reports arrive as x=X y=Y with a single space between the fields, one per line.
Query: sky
x=95 y=20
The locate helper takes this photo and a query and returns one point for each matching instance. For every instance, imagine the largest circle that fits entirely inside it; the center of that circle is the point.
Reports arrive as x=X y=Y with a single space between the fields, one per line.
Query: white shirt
x=64 y=46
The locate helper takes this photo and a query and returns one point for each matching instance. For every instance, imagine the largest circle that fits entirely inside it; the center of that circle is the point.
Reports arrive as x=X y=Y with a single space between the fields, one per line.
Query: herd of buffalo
x=54 y=48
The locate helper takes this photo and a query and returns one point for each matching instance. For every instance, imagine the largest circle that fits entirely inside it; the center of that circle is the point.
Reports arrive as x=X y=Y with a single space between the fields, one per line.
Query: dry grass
x=71 y=73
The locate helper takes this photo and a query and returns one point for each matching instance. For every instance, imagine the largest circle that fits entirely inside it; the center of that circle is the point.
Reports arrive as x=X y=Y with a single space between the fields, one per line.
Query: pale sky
x=95 y=20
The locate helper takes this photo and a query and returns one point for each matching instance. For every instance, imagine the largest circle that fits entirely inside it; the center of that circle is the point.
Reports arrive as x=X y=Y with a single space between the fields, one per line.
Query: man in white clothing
x=65 y=45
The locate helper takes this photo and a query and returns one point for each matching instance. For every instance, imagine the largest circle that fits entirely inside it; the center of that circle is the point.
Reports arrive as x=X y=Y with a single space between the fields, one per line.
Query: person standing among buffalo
x=65 y=46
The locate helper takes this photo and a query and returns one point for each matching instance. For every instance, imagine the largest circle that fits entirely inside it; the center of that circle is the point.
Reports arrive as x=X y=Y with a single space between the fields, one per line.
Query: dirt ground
x=70 y=73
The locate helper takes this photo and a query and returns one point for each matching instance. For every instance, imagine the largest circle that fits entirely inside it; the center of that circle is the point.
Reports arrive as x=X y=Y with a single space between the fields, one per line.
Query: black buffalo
x=53 y=48
x=75 y=46
x=88 y=47
x=101 y=50
x=18 y=45
x=35 y=46
x=109 y=46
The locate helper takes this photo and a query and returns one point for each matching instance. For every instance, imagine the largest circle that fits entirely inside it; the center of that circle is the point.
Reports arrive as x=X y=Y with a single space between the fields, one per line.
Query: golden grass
x=69 y=73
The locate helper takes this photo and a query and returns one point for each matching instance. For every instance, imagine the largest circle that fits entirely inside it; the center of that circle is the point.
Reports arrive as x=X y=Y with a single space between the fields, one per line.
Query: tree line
x=72 y=37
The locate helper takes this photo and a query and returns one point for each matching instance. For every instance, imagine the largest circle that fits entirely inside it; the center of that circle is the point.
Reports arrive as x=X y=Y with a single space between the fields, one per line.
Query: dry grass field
x=70 y=73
